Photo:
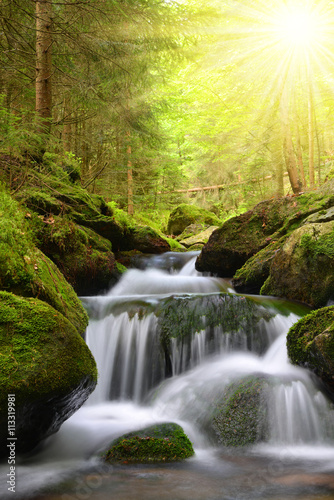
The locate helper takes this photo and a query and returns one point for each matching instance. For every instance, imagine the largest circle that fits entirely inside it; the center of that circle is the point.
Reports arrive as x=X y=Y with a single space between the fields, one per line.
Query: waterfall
x=125 y=339
x=169 y=345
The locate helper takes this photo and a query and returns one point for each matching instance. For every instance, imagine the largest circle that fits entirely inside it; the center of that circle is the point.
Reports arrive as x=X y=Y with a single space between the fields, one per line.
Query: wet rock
x=310 y=344
x=163 y=442
x=241 y=237
x=45 y=364
x=145 y=240
x=241 y=416
x=198 y=239
x=303 y=268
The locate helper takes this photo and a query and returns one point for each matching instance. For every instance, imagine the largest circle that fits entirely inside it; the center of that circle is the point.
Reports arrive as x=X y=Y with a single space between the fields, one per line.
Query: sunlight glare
x=298 y=27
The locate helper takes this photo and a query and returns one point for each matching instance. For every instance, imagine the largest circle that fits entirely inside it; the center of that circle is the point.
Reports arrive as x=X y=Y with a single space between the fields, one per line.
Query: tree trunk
x=300 y=159
x=130 y=177
x=288 y=151
x=311 y=136
x=44 y=64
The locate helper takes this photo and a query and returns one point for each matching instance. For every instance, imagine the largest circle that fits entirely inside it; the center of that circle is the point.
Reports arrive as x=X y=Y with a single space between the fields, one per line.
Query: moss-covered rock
x=238 y=320
x=84 y=257
x=253 y=274
x=26 y=271
x=146 y=240
x=310 y=344
x=241 y=415
x=164 y=442
x=303 y=268
x=49 y=196
x=47 y=366
x=198 y=239
x=185 y=215
x=241 y=237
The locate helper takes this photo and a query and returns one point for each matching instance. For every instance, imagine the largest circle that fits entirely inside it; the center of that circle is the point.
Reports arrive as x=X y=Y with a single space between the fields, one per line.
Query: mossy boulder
x=185 y=215
x=45 y=363
x=238 y=320
x=241 y=237
x=146 y=240
x=49 y=196
x=84 y=257
x=198 y=239
x=241 y=416
x=26 y=271
x=303 y=268
x=310 y=343
x=253 y=274
x=165 y=442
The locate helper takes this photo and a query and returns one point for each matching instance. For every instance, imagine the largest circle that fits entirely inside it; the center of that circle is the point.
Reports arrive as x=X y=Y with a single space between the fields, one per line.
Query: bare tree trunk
x=67 y=128
x=300 y=159
x=44 y=63
x=130 y=176
x=311 y=136
x=288 y=151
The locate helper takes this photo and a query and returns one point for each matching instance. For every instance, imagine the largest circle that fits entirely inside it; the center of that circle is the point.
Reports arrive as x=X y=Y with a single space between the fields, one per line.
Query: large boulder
x=84 y=257
x=303 y=268
x=310 y=344
x=242 y=237
x=27 y=272
x=200 y=238
x=55 y=197
x=44 y=361
x=45 y=366
x=185 y=215
x=145 y=240
x=165 y=442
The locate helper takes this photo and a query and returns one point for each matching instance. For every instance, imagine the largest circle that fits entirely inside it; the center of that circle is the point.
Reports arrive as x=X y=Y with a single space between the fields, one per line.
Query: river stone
x=163 y=442
x=241 y=237
x=200 y=238
x=84 y=257
x=310 y=343
x=145 y=240
x=321 y=216
x=303 y=268
x=45 y=364
x=241 y=416
x=185 y=215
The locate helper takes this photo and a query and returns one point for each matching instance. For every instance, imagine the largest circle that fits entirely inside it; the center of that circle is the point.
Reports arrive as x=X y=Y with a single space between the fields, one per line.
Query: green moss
x=41 y=351
x=314 y=246
x=253 y=274
x=120 y=268
x=241 y=416
x=159 y=443
x=26 y=271
x=185 y=215
x=301 y=337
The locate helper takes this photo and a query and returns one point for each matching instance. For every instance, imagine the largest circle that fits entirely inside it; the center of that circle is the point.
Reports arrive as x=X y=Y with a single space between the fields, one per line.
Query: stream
x=296 y=461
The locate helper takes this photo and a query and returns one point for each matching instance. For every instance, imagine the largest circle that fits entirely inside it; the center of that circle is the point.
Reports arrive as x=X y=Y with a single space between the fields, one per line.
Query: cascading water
x=168 y=342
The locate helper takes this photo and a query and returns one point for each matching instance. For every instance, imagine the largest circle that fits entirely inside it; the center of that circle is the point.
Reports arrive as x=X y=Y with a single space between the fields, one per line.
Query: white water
x=132 y=392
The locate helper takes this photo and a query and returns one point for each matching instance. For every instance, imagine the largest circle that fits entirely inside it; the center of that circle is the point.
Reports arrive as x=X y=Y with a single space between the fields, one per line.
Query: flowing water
x=138 y=386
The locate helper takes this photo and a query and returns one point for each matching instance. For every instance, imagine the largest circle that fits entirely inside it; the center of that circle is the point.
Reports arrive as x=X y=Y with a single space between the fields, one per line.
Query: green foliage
x=122 y=218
